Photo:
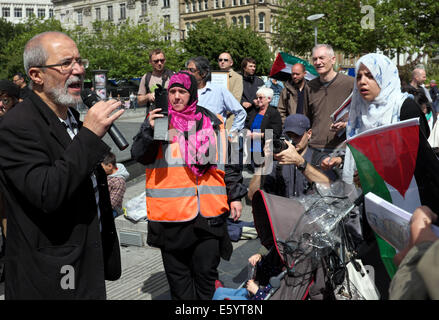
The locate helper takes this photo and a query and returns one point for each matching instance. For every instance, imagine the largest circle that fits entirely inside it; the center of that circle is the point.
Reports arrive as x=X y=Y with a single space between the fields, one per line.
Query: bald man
x=294 y=96
x=61 y=241
x=419 y=77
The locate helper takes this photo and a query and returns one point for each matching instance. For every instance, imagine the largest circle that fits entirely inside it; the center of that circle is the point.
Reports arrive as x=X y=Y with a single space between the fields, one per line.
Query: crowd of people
x=61 y=186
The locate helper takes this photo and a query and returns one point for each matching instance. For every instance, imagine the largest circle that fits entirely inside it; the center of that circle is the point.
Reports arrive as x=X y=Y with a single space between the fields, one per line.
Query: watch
x=302 y=167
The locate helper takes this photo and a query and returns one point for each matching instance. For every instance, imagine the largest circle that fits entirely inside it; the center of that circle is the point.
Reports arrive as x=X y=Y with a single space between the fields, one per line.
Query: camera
x=161 y=99
x=280 y=145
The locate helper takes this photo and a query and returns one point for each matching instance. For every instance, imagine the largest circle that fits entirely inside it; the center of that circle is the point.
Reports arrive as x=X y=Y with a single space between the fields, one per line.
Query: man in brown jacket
x=326 y=94
x=294 y=96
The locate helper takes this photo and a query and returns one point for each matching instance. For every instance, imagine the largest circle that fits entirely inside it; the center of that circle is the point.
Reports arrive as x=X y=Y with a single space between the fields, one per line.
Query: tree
x=358 y=27
x=123 y=49
x=211 y=37
x=11 y=55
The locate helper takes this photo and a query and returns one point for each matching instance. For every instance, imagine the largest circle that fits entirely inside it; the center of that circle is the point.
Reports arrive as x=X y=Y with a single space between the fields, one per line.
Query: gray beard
x=61 y=96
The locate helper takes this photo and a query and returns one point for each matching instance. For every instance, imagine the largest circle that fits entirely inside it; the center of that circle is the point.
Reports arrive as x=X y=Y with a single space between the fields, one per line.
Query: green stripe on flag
x=371 y=181
x=292 y=60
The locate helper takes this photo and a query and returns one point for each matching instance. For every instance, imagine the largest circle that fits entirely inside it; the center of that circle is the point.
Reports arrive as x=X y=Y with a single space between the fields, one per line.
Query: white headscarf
x=385 y=109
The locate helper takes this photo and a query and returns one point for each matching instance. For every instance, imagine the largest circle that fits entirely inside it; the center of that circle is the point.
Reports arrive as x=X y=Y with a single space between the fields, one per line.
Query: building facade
x=18 y=11
x=258 y=15
x=152 y=12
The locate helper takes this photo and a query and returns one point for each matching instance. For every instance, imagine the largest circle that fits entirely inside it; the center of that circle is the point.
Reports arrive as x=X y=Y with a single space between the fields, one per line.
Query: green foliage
x=399 y=26
x=212 y=37
x=11 y=54
x=122 y=49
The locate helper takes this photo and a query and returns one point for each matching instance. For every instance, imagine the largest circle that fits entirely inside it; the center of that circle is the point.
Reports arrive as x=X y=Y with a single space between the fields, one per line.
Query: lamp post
x=315 y=17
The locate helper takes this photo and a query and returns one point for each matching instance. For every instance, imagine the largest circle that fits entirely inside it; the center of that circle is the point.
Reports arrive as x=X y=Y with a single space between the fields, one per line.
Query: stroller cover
x=308 y=234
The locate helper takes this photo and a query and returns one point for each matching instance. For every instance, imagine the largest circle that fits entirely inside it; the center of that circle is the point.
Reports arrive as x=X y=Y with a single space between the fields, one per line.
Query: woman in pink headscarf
x=190 y=190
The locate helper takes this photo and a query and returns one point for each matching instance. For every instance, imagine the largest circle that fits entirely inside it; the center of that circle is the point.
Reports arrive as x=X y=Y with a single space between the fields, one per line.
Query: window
x=200 y=5
x=167 y=22
x=194 y=5
x=206 y=4
x=166 y=3
x=234 y=20
x=41 y=13
x=79 y=18
x=50 y=13
x=241 y=20
x=6 y=12
x=262 y=22
x=216 y=4
x=18 y=12
x=188 y=26
x=110 y=13
x=98 y=14
x=123 y=11
x=234 y=3
x=241 y=2
x=247 y=21
x=143 y=7
x=29 y=12
x=223 y=3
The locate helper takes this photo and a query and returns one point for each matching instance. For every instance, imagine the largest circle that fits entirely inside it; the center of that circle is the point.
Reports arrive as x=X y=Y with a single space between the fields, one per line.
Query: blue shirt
x=219 y=100
x=277 y=89
x=256 y=127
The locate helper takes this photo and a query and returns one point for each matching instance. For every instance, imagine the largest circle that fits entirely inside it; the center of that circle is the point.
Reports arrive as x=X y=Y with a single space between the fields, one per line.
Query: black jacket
x=272 y=120
x=51 y=207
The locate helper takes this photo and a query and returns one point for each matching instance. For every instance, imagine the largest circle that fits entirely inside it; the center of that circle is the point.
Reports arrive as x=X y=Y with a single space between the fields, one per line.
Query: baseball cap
x=10 y=88
x=297 y=123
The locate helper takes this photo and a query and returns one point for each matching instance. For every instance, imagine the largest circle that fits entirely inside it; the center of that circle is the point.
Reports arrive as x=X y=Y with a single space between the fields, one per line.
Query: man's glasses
x=159 y=60
x=221 y=60
x=67 y=65
x=260 y=98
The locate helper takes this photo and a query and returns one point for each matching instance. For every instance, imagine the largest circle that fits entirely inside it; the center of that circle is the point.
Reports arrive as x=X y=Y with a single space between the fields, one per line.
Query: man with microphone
x=62 y=241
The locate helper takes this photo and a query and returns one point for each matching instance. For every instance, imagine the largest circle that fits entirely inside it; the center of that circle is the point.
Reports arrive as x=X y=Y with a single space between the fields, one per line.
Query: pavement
x=143 y=276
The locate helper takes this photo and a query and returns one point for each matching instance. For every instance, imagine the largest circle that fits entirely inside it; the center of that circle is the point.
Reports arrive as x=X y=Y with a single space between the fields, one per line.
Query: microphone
x=90 y=99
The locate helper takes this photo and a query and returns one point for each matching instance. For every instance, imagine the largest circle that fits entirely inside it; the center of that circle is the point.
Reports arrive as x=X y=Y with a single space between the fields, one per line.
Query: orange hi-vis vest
x=175 y=194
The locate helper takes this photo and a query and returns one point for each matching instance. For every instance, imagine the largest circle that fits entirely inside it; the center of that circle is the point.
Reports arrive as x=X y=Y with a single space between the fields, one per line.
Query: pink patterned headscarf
x=195 y=133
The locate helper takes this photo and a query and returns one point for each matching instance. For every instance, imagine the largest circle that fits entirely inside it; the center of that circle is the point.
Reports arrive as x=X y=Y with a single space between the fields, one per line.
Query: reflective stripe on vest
x=175 y=194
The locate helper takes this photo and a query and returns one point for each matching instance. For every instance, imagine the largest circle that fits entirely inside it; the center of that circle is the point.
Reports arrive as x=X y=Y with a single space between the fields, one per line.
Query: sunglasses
x=221 y=60
x=193 y=70
x=159 y=60
x=260 y=98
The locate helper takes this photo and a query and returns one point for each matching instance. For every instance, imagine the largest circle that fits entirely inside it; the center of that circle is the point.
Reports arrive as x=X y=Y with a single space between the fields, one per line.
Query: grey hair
x=203 y=66
x=34 y=53
x=328 y=47
x=266 y=92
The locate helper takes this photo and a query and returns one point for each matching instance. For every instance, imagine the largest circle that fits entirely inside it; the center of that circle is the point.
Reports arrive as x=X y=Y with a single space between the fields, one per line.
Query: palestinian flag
x=281 y=69
x=386 y=159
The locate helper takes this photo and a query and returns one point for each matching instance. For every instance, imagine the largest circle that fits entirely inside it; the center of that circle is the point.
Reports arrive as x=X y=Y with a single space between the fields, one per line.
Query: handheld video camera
x=280 y=145
x=161 y=124
x=161 y=99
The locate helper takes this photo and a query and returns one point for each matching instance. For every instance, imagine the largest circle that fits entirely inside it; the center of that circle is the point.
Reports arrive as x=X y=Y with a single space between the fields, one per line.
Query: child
x=116 y=179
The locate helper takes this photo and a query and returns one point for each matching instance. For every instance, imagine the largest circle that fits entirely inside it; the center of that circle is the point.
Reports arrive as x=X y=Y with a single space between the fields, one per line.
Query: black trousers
x=192 y=272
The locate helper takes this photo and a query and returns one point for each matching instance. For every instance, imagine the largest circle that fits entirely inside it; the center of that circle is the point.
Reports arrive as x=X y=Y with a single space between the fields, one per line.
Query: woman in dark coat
x=261 y=119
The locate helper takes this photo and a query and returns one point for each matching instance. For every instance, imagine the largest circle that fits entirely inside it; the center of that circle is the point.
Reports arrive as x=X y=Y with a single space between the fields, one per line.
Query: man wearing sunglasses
x=159 y=76
x=61 y=236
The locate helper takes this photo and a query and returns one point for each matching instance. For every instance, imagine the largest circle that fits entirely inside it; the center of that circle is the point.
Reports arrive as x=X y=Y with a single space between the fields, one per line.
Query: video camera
x=280 y=145
x=161 y=124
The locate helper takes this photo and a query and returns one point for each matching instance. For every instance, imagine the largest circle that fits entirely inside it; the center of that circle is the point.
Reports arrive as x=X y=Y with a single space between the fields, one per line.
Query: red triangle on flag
x=393 y=154
x=278 y=65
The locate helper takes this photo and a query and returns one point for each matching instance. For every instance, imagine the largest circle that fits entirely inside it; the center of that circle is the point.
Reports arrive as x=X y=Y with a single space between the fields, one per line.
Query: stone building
x=151 y=12
x=256 y=14
x=17 y=11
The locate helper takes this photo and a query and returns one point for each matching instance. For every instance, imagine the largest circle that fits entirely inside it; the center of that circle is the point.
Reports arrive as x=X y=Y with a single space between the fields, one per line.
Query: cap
x=297 y=123
x=10 y=88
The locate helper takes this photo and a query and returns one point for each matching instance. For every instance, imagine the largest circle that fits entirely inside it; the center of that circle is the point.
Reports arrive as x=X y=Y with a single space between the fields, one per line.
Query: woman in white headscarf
x=377 y=100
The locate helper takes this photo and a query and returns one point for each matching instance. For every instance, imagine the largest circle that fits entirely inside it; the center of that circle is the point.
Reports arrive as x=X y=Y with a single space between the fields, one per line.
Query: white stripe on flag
x=411 y=200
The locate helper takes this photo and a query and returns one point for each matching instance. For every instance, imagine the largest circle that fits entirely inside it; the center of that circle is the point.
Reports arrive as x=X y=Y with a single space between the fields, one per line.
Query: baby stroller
x=310 y=237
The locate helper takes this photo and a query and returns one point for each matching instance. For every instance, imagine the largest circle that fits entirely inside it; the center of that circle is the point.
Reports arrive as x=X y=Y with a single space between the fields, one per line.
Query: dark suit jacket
x=53 y=223
x=272 y=120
